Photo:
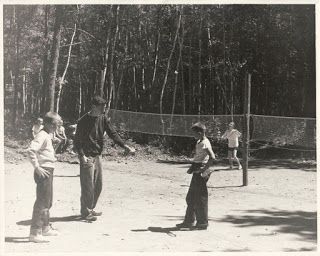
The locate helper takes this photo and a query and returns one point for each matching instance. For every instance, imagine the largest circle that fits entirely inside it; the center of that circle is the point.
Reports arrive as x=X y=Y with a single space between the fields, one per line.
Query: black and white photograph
x=159 y=127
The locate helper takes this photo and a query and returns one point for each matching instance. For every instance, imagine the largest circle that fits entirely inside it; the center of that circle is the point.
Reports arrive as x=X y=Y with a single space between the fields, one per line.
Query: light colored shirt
x=41 y=151
x=60 y=130
x=201 y=154
x=233 y=138
x=60 y=133
x=36 y=129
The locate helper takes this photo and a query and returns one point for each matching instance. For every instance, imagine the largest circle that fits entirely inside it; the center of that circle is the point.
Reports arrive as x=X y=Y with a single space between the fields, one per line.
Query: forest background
x=163 y=59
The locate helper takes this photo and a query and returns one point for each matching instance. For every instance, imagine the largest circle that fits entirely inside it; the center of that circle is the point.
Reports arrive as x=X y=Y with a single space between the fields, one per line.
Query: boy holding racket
x=197 y=197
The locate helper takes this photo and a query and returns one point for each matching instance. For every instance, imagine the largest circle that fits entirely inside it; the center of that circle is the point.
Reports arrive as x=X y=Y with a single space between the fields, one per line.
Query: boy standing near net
x=232 y=135
x=41 y=153
x=89 y=145
x=197 y=197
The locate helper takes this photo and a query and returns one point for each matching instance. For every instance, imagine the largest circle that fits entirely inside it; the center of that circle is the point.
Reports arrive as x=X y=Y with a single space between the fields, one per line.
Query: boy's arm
x=33 y=132
x=34 y=147
x=205 y=172
x=63 y=134
x=211 y=160
x=115 y=137
x=77 y=141
x=224 y=136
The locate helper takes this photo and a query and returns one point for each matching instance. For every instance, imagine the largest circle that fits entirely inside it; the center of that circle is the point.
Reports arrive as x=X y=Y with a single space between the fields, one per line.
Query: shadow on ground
x=168 y=230
x=308 y=166
x=14 y=239
x=54 y=219
x=300 y=223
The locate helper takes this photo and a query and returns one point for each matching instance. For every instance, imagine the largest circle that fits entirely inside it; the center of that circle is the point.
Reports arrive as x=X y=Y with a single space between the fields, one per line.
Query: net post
x=246 y=135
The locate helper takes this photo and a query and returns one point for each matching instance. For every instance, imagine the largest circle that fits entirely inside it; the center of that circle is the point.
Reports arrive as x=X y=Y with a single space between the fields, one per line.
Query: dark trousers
x=61 y=146
x=91 y=183
x=197 y=200
x=43 y=203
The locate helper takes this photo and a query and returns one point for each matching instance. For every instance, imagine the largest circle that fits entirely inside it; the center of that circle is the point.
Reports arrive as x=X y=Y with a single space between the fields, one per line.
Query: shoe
x=89 y=217
x=240 y=167
x=185 y=225
x=49 y=231
x=37 y=239
x=201 y=226
x=94 y=213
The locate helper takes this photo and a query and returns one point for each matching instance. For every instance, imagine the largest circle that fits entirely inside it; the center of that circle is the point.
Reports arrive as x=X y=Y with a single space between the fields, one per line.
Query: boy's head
x=98 y=103
x=51 y=121
x=199 y=130
x=39 y=121
x=231 y=125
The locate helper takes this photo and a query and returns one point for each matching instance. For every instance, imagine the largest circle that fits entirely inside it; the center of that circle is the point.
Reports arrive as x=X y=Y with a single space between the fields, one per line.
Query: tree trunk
x=199 y=67
x=54 y=56
x=61 y=81
x=167 y=70
x=224 y=60
x=24 y=91
x=16 y=17
x=80 y=97
x=222 y=90
x=182 y=69
x=191 y=95
x=112 y=85
x=211 y=79
x=121 y=72
x=44 y=87
x=176 y=74
x=135 y=86
x=105 y=64
x=155 y=63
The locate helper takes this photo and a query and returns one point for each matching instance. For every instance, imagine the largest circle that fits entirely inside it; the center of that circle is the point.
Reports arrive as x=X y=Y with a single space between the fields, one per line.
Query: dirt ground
x=143 y=200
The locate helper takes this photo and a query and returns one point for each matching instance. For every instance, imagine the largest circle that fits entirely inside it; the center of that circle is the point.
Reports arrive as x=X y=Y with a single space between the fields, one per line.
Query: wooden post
x=246 y=134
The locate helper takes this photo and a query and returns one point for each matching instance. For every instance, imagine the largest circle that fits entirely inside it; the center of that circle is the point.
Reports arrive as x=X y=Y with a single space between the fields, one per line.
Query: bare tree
x=55 y=56
x=17 y=28
x=62 y=78
x=167 y=70
x=111 y=78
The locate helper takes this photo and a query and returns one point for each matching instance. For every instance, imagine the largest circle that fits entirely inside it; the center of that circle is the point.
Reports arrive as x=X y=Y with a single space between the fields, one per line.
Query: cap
x=198 y=127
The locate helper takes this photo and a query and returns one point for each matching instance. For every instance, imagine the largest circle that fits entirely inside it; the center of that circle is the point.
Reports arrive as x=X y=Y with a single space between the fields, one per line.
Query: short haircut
x=98 y=100
x=198 y=127
x=52 y=118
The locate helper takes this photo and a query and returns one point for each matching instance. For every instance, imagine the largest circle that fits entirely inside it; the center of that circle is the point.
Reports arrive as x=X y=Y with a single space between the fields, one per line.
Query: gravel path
x=142 y=201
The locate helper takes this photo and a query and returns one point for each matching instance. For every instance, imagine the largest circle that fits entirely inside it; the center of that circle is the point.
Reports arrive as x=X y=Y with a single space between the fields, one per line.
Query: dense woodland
x=181 y=59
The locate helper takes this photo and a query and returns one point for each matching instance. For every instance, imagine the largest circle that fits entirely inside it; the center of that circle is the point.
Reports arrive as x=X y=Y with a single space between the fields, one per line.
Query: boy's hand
x=207 y=173
x=129 y=150
x=85 y=159
x=42 y=172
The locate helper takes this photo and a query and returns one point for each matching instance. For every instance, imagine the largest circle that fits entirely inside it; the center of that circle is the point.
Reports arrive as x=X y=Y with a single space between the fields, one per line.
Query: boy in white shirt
x=61 y=139
x=232 y=135
x=197 y=197
x=42 y=157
